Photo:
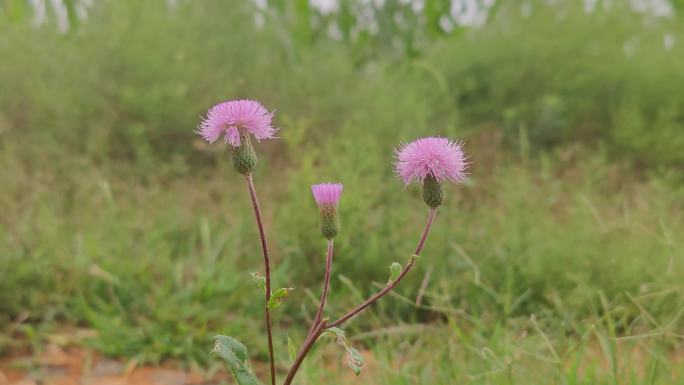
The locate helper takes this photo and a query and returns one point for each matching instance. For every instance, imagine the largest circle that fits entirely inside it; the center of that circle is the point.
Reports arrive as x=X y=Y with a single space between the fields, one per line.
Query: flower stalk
x=326 y=288
x=267 y=272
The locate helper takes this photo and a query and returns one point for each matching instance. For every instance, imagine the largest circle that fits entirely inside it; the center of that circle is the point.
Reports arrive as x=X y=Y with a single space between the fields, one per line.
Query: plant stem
x=267 y=267
x=317 y=329
x=326 y=287
x=402 y=274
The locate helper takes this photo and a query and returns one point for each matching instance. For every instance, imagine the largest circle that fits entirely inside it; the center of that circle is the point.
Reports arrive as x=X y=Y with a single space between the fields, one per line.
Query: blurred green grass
x=116 y=218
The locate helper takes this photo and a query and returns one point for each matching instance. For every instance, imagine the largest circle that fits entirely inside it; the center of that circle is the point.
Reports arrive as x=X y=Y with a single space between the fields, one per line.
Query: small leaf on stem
x=278 y=297
x=355 y=360
x=259 y=279
x=353 y=356
x=395 y=270
x=339 y=333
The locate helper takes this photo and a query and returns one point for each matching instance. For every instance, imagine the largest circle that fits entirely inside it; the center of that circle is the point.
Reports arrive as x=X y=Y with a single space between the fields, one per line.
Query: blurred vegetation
x=117 y=218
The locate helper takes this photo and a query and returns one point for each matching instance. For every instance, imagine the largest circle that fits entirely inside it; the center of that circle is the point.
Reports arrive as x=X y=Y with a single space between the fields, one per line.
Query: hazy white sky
x=462 y=12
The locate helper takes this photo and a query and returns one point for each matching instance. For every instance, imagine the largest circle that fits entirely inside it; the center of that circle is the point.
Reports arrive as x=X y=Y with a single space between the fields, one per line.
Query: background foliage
x=565 y=242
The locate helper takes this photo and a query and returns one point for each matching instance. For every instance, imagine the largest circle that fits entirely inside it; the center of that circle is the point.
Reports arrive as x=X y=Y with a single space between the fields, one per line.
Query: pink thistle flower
x=231 y=117
x=439 y=157
x=327 y=194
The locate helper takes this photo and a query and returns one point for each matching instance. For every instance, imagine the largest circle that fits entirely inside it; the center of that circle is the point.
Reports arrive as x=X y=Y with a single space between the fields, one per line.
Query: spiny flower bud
x=244 y=156
x=327 y=196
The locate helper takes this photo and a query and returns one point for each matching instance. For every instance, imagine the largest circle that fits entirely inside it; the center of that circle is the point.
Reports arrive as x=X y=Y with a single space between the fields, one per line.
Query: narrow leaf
x=260 y=280
x=395 y=270
x=291 y=349
x=278 y=297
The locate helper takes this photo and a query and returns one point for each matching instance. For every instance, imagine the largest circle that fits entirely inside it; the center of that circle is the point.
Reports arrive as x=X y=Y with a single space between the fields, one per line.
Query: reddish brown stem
x=402 y=274
x=326 y=288
x=267 y=273
x=318 y=329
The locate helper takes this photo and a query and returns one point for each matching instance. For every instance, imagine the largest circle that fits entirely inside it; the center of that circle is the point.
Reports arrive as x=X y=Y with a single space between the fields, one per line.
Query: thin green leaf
x=291 y=349
x=72 y=16
x=278 y=297
x=259 y=279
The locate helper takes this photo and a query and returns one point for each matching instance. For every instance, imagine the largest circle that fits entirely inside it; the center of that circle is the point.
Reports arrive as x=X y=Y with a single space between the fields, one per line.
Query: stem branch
x=318 y=327
x=402 y=274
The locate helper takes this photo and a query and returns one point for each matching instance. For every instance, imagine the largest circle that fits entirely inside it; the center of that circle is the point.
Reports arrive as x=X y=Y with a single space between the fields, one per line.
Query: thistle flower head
x=236 y=117
x=439 y=158
x=327 y=196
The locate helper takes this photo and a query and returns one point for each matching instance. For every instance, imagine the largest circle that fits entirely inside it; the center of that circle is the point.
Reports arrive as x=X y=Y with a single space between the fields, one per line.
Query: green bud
x=330 y=225
x=433 y=193
x=244 y=156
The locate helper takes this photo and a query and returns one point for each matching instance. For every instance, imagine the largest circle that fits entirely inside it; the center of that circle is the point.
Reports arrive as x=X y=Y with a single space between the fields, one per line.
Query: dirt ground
x=57 y=366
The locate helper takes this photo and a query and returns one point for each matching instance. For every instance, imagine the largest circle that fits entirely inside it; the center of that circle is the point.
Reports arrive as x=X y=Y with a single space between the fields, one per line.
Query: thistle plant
x=430 y=161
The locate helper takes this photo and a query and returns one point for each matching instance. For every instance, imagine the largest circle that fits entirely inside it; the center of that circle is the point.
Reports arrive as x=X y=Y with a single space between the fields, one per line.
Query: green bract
x=244 y=156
